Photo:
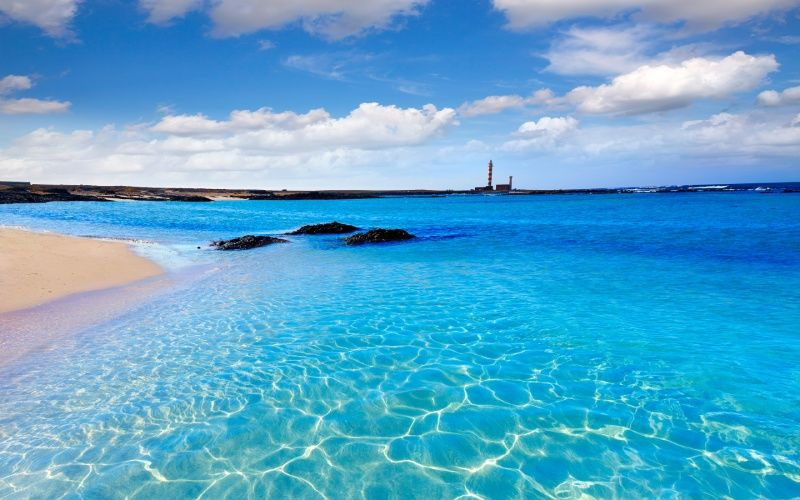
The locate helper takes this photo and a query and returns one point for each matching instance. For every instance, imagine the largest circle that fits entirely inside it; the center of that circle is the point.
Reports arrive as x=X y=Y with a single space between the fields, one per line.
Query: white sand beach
x=36 y=268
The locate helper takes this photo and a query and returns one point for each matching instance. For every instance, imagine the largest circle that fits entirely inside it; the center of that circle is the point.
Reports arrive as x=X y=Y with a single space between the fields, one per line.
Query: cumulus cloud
x=658 y=86
x=725 y=137
x=775 y=98
x=706 y=14
x=333 y=19
x=248 y=144
x=52 y=16
x=494 y=104
x=668 y=86
x=369 y=126
x=747 y=133
x=542 y=134
x=15 y=83
x=662 y=151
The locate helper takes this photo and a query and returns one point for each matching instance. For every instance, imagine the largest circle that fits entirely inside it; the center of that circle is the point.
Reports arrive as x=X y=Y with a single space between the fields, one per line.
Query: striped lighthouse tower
x=489 y=183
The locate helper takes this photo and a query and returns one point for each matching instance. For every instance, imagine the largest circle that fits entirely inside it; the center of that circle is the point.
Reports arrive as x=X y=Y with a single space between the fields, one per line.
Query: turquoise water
x=547 y=346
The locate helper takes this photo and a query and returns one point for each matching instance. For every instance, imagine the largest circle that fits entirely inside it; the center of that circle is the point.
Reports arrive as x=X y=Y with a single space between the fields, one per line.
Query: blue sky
x=399 y=93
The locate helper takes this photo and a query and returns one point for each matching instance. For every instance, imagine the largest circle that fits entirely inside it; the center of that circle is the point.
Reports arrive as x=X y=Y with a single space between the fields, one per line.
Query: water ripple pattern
x=536 y=347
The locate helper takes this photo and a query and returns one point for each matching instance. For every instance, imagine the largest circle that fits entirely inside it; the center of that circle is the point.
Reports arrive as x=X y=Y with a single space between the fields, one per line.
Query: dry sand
x=36 y=268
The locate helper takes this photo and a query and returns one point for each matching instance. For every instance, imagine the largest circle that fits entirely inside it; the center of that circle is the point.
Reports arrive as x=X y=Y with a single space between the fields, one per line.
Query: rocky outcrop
x=327 y=228
x=379 y=236
x=246 y=242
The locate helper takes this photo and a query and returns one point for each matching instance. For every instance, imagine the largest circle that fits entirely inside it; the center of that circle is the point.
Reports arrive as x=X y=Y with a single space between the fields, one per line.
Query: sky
x=399 y=94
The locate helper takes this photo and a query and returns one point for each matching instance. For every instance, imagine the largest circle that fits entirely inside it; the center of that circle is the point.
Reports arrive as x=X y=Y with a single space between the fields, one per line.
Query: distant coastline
x=22 y=192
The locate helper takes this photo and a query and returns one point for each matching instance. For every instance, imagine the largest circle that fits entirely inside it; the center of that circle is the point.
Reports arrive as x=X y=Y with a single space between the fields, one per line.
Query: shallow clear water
x=553 y=346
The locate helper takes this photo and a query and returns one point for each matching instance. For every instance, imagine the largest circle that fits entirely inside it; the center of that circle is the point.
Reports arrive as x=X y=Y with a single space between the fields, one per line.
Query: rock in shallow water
x=246 y=242
x=327 y=228
x=379 y=236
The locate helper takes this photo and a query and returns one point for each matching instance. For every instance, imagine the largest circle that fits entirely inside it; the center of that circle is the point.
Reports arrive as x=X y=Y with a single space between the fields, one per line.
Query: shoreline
x=39 y=268
x=57 y=325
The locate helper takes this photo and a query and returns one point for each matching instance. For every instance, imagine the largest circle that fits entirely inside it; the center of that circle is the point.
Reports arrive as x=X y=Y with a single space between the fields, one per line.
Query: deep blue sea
x=640 y=345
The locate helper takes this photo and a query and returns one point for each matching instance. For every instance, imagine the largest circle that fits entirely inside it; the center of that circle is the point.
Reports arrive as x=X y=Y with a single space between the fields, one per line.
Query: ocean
x=636 y=345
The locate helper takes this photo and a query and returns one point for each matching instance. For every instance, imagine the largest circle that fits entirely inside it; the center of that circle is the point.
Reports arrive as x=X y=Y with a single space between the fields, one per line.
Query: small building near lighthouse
x=505 y=187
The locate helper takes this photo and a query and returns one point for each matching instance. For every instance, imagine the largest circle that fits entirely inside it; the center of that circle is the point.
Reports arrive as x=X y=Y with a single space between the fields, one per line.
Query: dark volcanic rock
x=188 y=197
x=379 y=236
x=25 y=195
x=246 y=242
x=327 y=228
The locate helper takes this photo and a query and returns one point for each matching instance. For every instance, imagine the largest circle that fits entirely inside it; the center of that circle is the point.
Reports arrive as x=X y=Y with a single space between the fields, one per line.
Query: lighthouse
x=506 y=188
x=488 y=186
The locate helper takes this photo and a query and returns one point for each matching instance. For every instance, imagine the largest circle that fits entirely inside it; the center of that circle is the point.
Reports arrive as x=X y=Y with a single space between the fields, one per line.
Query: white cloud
x=658 y=86
x=31 y=106
x=370 y=126
x=494 y=104
x=333 y=19
x=599 y=51
x=549 y=126
x=165 y=109
x=667 y=86
x=324 y=65
x=15 y=83
x=723 y=147
x=491 y=105
x=334 y=65
x=755 y=134
x=616 y=49
x=775 y=98
x=248 y=145
x=698 y=14
x=542 y=134
x=162 y=11
x=726 y=138
x=266 y=44
x=52 y=16
x=12 y=83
